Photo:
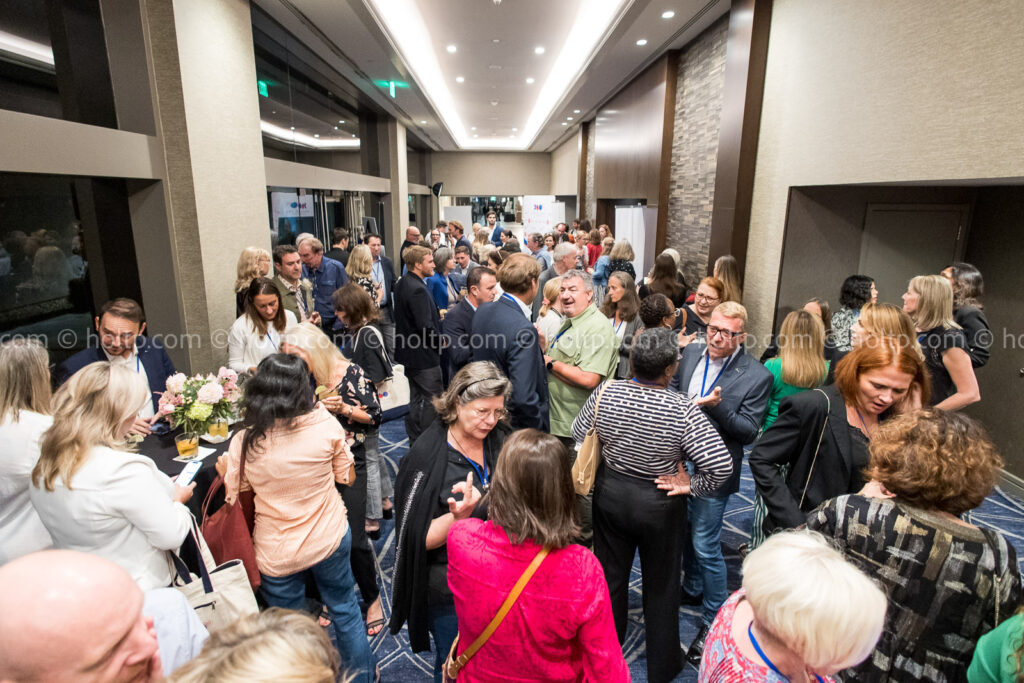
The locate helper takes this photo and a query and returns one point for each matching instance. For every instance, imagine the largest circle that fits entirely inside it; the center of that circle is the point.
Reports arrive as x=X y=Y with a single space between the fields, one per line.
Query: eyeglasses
x=705 y=297
x=483 y=413
x=727 y=334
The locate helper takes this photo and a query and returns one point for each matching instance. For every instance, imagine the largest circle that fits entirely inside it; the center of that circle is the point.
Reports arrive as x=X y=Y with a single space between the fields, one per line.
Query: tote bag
x=588 y=458
x=228 y=531
x=393 y=392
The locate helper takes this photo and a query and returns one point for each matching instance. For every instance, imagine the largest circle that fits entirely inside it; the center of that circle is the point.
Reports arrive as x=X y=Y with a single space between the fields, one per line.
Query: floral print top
x=356 y=389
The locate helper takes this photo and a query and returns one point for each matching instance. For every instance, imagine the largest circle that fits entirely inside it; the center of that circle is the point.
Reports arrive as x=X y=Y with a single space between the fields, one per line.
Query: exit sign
x=263 y=88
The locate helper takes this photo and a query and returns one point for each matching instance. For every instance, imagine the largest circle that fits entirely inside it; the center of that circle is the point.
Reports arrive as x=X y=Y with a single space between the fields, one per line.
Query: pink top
x=723 y=662
x=560 y=628
x=300 y=519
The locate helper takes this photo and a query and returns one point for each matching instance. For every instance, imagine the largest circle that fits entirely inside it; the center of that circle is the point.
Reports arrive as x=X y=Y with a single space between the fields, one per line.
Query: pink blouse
x=560 y=628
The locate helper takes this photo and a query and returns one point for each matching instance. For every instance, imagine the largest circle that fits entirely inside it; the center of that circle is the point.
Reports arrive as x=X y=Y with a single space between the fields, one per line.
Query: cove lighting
x=403 y=24
x=30 y=51
x=668 y=14
x=279 y=133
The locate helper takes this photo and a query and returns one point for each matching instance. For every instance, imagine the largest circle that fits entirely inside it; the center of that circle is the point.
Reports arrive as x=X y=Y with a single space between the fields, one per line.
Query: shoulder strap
x=505 y=608
x=597 y=402
x=810 y=471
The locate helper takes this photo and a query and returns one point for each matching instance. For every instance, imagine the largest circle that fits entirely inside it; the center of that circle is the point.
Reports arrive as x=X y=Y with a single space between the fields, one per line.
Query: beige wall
x=876 y=91
x=497 y=173
x=565 y=167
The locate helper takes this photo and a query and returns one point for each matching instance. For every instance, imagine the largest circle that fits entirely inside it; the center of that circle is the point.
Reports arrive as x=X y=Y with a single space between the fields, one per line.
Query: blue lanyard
x=703 y=382
x=771 y=665
x=484 y=476
x=557 y=337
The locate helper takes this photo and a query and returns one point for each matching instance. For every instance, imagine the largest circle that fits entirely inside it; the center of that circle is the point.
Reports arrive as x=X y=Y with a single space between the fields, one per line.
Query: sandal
x=375 y=626
x=325 y=618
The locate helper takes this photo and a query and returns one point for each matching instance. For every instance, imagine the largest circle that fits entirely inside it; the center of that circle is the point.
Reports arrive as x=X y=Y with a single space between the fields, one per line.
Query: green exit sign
x=263 y=87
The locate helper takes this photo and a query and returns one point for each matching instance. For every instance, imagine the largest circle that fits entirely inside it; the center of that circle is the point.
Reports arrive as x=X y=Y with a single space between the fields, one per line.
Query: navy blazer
x=457 y=326
x=439 y=290
x=152 y=356
x=506 y=337
x=746 y=388
x=417 y=325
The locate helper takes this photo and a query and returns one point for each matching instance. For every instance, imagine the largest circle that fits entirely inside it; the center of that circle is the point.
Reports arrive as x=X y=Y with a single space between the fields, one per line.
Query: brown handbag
x=588 y=457
x=228 y=531
x=454 y=664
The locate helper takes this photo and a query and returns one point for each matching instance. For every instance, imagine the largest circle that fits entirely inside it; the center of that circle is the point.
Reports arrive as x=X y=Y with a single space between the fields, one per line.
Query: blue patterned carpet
x=398 y=663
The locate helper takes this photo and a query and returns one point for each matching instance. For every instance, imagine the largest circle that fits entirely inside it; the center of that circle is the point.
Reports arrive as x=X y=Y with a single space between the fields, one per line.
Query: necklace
x=867 y=432
x=482 y=474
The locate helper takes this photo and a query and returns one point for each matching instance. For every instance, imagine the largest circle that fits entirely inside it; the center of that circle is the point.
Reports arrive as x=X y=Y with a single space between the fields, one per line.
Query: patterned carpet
x=399 y=664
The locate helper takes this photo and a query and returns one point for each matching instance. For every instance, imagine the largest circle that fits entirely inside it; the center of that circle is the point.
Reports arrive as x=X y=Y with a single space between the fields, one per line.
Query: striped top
x=645 y=431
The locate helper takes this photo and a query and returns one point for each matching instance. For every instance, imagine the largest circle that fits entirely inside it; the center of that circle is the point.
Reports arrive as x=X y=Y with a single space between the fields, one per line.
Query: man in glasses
x=733 y=390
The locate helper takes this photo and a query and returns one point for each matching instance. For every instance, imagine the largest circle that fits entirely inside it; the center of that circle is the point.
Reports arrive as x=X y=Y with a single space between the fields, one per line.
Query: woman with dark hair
x=656 y=311
x=439 y=482
x=622 y=307
x=294 y=452
x=257 y=332
x=358 y=312
x=947 y=581
x=968 y=286
x=594 y=247
x=822 y=436
x=663 y=279
x=641 y=487
x=857 y=290
x=531 y=506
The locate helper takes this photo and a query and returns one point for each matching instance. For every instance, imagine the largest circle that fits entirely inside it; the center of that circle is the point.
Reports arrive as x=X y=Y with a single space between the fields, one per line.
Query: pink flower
x=176 y=383
x=227 y=374
x=211 y=392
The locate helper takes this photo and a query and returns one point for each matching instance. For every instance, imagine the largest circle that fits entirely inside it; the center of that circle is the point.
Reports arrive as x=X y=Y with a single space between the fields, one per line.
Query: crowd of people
x=863 y=563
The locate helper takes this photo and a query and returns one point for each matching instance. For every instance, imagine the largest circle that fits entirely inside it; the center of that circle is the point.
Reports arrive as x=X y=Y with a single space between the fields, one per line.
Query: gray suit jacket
x=746 y=388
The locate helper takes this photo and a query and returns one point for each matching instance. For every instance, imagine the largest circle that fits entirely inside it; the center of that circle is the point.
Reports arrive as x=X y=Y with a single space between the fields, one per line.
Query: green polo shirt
x=587 y=341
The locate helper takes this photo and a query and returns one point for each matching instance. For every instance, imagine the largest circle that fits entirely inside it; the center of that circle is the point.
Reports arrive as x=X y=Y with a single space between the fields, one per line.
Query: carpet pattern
x=398 y=663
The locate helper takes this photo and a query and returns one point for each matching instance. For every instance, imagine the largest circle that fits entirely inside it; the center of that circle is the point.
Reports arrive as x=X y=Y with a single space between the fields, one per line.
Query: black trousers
x=632 y=514
x=364 y=569
x=424 y=385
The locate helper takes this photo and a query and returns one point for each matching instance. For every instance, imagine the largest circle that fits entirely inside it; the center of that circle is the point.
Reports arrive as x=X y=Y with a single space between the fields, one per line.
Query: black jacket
x=389 y=280
x=417 y=325
x=151 y=356
x=792 y=440
x=976 y=329
x=457 y=327
x=504 y=336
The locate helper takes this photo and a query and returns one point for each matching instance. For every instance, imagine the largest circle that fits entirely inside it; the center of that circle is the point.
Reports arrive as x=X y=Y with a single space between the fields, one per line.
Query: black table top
x=161 y=449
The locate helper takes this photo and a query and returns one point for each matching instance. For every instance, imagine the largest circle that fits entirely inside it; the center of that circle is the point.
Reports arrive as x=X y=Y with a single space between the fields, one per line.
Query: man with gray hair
x=584 y=353
x=327 y=276
x=535 y=243
x=564 y=260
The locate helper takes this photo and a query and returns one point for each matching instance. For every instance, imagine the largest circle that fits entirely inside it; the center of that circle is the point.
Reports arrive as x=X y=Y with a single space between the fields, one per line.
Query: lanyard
x=271 y=338
x=863 y=424
x=771 y=665
x=484 y=476
x=557 y=337
x=703 y=382
x=619 y=326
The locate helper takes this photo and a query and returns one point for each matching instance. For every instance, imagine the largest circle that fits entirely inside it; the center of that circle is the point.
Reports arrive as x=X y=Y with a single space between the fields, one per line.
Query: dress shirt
x=714 y=371
x=132 y=363
x=522 y=307
x=300 y=301
x=326 y=279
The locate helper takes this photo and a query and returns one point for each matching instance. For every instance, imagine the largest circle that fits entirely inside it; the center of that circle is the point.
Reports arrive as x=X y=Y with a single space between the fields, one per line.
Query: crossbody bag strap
x=597 y=403
x=828 y=412
x=505 y=608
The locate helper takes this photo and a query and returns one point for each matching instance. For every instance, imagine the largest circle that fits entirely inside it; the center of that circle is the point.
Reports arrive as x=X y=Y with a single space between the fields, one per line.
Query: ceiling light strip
x=291 y=136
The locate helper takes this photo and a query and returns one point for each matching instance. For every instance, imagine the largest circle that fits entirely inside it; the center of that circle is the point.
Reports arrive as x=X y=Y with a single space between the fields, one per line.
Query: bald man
x=68 y=616
x=412 y=239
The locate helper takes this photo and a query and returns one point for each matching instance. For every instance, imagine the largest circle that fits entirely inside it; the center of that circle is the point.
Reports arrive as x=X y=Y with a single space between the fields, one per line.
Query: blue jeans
x=703 y=561
x=444 y=626
x=333 y=577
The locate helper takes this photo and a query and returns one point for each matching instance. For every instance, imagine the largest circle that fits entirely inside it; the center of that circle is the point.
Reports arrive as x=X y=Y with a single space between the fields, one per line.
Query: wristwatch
x=551 y=366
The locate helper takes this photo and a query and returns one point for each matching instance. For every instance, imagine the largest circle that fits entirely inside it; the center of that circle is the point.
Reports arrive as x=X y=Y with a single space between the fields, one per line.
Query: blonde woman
x=727 y=270
x=274 y=645
x=253 y=262
x=620 y=258
x=93 y=494
x=929 y=301
x=24 y=416
x=360 y=271
x=351 y=397
x=550 y=317
x=800 y=366
x=883 y=320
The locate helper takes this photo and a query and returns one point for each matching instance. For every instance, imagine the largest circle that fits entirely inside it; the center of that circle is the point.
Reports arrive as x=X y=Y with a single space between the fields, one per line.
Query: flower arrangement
x=196 y=401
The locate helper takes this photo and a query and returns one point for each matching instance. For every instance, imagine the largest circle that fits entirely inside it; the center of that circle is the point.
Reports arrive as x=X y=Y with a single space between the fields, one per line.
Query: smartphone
x=189 y=473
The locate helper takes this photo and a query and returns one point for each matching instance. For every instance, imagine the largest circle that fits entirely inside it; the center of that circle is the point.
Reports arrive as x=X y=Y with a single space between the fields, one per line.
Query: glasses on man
x=726 y=334
x=705 y=297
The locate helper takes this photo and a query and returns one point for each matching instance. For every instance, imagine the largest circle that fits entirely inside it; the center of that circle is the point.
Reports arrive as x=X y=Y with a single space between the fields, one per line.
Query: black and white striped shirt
x=645 y=431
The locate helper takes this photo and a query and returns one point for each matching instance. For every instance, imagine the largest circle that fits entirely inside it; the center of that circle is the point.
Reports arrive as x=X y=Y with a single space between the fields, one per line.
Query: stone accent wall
x=590 y=210
x=699 y=94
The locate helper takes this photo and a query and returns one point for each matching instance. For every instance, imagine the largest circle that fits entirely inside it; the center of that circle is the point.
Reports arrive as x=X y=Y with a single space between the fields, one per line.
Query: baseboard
x=1011 y=484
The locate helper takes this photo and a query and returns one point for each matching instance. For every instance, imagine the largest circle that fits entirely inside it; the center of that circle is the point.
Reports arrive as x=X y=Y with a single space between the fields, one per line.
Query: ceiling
x=441 y=113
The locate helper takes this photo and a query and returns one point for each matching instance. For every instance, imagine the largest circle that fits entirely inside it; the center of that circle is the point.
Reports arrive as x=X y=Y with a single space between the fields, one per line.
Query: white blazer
x=246 y=349
x=121 y=507
x=21 y=530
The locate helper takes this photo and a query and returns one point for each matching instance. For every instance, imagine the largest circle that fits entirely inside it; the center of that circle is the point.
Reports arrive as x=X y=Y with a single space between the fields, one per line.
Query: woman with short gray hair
x=441 y=480
x=639 y=495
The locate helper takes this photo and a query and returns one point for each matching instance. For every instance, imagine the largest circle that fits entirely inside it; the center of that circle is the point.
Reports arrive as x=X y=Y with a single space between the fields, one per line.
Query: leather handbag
x=453 y=664
x=221 y=593
x=229 y=530
x=588 y=457
x=393 y=392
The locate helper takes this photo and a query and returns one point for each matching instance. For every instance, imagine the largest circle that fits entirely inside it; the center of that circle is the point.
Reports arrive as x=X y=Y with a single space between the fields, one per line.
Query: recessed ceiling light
x=460 y=79
x=568 y=118
x=495 y=67
x=575 y=111
x=451 y=49
x=273 y=112
x=512 y=136
x=668 y=14
x=641 y=42
x=316 y=135
x=423 y=122
x=341 y=122
x=293 y=127
x=564 y=123
x=529 y=81
x=473 y=128
x=515 y=130
x=475 y=135
x=494 y=103
x=495 y=40
x=335 y=128
x=539 y=50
